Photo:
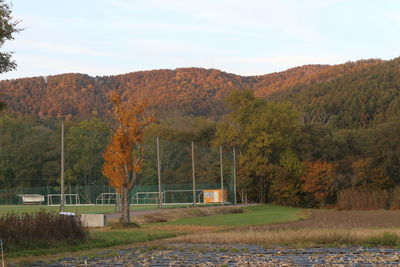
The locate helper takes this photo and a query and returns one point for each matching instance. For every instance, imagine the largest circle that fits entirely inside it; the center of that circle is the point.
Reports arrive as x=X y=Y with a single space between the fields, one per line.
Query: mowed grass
x=77 y=209
x=254 y=215
x=81 y=209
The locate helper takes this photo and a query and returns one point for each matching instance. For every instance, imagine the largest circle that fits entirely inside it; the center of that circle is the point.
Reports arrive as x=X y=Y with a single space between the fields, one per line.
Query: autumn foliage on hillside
x=188 y=90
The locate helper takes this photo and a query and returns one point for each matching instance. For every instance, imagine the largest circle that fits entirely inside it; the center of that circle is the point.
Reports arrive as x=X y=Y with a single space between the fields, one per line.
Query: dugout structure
x=31 y=199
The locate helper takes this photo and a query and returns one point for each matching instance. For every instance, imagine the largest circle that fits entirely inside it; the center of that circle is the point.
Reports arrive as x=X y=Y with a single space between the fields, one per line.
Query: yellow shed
x=215 y=196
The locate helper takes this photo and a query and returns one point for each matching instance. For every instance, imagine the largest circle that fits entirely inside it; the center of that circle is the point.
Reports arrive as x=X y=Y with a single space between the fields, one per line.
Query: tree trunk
x=125 y=206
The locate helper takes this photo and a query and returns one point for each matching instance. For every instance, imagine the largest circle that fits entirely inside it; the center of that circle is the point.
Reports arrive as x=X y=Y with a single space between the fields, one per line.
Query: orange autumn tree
x=124 y=154
x=320 y=180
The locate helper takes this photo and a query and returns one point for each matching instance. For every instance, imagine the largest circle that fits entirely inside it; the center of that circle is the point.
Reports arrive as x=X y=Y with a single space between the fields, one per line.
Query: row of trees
x=287 y=162
x=30 y=151
x=279 y=158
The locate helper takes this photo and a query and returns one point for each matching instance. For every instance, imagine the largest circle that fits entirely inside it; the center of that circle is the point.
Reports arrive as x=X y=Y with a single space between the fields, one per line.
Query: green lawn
x=77 y=209
x=84 y=209
x=255 y=215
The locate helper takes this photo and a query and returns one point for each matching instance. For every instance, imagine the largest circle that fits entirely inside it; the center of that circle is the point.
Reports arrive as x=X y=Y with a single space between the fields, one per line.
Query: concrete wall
x=94 y=220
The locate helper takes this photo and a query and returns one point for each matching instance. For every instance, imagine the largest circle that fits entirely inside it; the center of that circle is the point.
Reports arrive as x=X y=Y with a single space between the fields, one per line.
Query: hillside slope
x=368 y=96
x=188 y=90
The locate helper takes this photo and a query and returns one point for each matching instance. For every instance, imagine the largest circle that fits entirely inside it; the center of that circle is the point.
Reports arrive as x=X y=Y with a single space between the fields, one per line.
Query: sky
x=252 y=37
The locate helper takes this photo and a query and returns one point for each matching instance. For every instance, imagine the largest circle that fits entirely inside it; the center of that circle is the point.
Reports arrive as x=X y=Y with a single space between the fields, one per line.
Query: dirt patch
x=341 y=219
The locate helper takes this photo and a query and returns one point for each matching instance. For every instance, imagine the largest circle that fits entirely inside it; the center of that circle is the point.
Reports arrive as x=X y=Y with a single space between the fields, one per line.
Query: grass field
x=254 y=215
x=77 y=209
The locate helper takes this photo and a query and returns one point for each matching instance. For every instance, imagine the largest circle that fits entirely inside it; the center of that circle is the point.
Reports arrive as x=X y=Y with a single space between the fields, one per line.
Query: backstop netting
x=176 y=179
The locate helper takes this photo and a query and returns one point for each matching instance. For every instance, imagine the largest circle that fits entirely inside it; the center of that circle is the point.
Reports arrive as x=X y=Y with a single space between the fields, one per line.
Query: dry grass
x=315 y=228
x=42 y=229
x=340 y=219
x=299 y=237
x=173 y=214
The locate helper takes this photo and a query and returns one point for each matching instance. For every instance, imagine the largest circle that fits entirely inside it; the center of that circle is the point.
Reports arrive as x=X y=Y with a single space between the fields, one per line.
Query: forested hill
x=358 y=99
x=188 y=90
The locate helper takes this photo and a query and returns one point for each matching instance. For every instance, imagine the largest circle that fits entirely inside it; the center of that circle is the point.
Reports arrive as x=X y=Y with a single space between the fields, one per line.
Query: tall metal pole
x=222 y=174
x=160 y=200
x=234 y=176
x=62 y=204
x=194 y=177
x=2 y=253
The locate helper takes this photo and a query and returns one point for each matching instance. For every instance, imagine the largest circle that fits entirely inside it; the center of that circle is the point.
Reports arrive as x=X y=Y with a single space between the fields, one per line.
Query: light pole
x=62 y=204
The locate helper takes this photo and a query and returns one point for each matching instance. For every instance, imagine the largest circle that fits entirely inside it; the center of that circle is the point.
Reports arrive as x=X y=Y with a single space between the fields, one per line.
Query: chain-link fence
x=104 y=194
x=176 y=171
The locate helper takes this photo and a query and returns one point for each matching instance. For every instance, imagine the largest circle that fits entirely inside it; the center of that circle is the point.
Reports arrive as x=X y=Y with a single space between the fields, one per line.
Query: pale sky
x=246 y=37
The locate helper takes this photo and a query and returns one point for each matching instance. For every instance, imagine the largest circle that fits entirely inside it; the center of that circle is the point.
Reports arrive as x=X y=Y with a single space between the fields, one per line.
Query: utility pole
x=62 y=204
x=234 y=176
x=194 y=177
x=222 y=174
x=160 y=199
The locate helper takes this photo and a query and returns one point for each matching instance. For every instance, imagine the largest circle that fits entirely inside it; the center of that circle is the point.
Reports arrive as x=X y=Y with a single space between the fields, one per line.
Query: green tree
x=29 y=153
x=85 y=142
x=286 y=187
x=261 y=131
x=8 y=26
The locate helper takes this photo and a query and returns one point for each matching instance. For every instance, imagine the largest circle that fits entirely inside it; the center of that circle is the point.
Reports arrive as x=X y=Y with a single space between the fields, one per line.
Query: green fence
x=141 y=194
x=176 y=178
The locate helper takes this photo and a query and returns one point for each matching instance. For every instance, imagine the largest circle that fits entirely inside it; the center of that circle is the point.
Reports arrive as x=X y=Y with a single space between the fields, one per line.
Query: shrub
x=385 y=239
x=40 y=230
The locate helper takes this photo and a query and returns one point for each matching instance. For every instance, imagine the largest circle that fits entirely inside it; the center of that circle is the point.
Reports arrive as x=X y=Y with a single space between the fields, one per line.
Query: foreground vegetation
x=99 y=239
x=301 y=237
x=319 y=228
x=106 y=237
x=265 y=225
x=41 y=229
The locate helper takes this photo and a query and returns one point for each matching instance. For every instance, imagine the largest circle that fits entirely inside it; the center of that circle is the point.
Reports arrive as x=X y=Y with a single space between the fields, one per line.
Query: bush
x=385 y=239
x=40 y=230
